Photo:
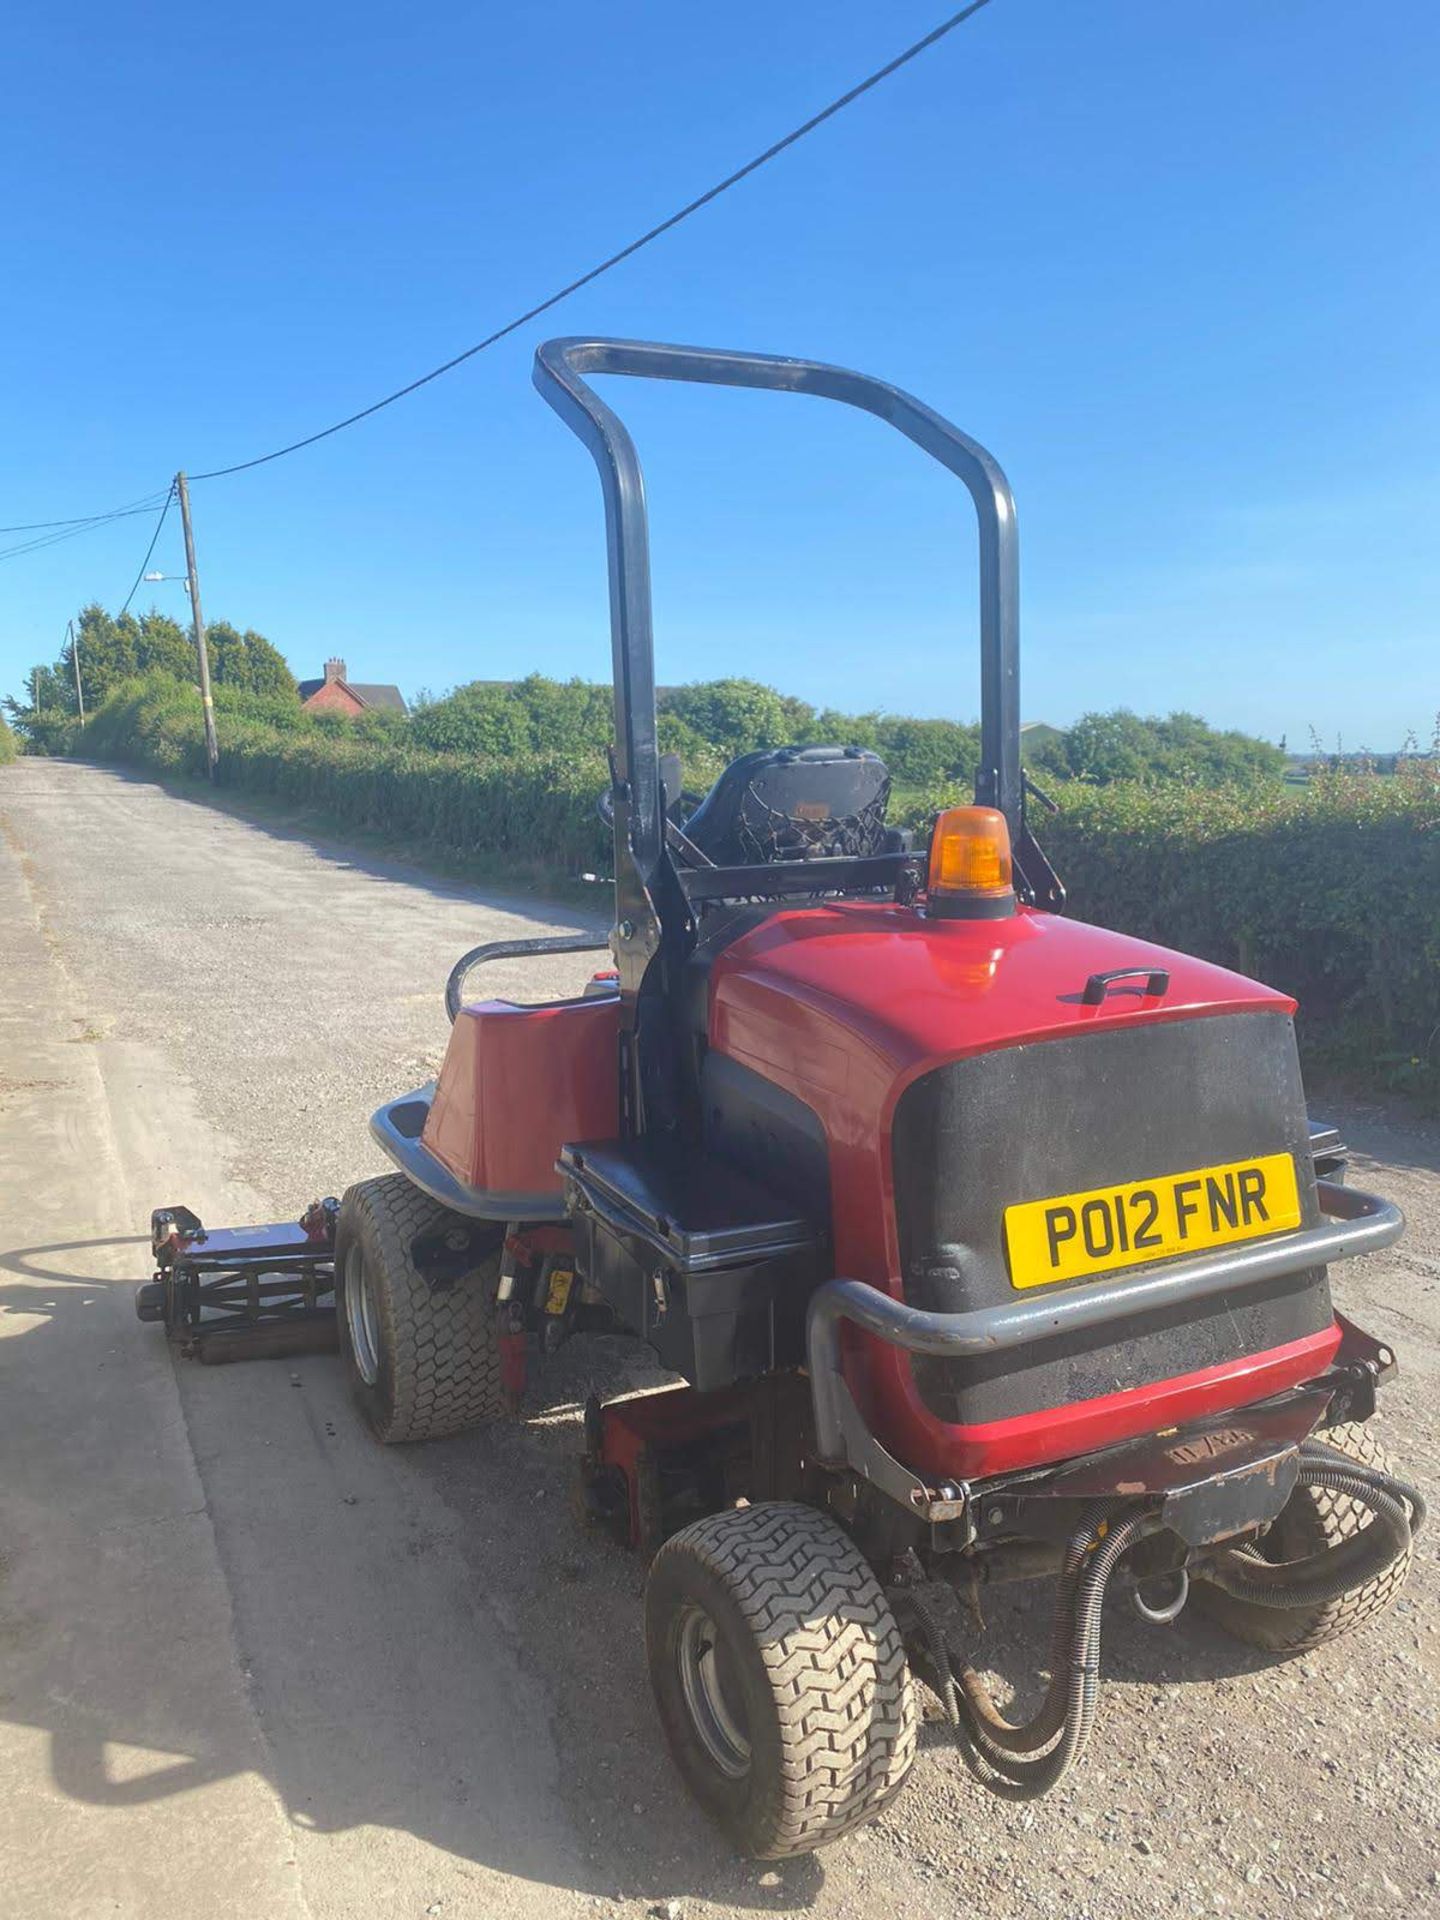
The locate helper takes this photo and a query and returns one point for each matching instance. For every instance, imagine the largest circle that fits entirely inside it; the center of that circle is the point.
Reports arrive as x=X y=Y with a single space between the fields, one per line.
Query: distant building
x=338 y=694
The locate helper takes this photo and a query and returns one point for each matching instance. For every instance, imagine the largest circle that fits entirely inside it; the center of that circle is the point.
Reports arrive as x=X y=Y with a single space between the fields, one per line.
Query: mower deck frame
x=243 y=1293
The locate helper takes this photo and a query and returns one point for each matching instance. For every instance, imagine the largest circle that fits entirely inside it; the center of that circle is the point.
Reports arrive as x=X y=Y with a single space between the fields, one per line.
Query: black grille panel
x=1062 y=1116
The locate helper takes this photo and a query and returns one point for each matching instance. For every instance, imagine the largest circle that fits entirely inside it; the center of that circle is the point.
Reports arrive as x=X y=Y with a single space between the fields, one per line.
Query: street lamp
x=183 y=578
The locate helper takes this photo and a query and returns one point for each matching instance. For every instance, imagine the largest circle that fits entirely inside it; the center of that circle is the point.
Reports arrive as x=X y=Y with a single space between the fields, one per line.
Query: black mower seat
x=794 y=803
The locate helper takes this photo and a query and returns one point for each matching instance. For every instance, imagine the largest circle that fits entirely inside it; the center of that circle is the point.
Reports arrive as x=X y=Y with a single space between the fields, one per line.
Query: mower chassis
x=792 y=1550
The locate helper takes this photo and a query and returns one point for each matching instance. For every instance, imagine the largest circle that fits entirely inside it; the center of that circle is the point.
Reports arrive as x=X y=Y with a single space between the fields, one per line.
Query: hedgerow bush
x=9 y=745
x=709 y=723
x=534 y=814
x=1330 y=892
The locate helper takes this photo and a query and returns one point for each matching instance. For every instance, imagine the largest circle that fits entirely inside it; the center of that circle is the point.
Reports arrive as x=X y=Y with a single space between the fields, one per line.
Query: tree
x=1105 y=747
x=246 y=661
x=163 y=646
x=919 y=752
x=738 y=716
x=483 y=720
x=108 y=651
x=570 y=716
x=833 y=728
x=46 y=722
x=115 y=648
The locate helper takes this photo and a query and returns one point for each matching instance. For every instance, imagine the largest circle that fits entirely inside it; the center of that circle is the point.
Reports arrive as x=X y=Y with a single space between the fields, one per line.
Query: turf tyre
x=1314 y=1520
x=816 y=1667
x=434 y=1354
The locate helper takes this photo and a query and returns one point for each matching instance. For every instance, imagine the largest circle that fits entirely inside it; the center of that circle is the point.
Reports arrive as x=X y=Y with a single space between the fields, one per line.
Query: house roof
x=372 y=694
x=387 y=699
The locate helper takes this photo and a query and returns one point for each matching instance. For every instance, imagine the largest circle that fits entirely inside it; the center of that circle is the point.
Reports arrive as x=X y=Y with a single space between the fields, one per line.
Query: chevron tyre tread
x=1315 y=1519
x=439 y=1359
x=820 y=1663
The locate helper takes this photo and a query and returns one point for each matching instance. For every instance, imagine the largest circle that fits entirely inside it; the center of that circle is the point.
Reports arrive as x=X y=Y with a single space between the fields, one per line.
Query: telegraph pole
x=212 y=749
x=75 y=662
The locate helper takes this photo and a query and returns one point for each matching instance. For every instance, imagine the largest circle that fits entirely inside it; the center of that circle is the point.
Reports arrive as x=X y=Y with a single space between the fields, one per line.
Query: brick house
x=337 y=694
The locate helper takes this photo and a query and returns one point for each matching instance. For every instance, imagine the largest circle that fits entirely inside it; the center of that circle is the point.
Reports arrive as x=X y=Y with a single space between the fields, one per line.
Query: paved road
x=251 y=1663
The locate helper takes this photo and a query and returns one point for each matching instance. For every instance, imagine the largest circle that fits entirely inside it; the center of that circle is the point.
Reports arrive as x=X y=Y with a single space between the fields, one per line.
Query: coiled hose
x=1024 y=1761
x=1020 y=1762
x=1322 y=1577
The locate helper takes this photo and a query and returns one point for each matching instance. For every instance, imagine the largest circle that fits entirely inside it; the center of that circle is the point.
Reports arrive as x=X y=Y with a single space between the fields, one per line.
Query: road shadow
x=126 y=1730
x=1394 y=1133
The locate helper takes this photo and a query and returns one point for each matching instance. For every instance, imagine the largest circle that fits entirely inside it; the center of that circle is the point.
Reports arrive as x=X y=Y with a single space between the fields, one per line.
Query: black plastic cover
x=691 y=1254
x=794 y=803
x=694 y=1210
x=1065 y=1116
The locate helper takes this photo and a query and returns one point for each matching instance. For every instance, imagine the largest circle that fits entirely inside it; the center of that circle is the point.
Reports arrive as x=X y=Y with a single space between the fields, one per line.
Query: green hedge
x=1331 y=892
x=9 y=745
x=533 y=816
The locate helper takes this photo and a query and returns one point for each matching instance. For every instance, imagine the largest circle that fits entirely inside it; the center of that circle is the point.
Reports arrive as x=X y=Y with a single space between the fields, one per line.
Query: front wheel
x=780 y=1676
x=423 y=1361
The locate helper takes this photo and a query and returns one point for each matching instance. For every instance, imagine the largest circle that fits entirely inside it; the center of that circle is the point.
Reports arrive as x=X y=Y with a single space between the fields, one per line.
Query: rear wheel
x=780 y=1676
x=1313 y=1521
x=422 y=1361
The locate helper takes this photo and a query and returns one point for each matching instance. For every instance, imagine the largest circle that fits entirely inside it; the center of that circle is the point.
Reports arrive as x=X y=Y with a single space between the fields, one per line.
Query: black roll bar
x=560 y=366
x=644 y=892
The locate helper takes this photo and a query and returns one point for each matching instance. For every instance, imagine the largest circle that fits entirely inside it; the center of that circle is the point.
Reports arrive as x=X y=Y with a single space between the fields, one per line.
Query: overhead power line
x=149 y=550
x=71 y=530
x=51 y=532
x=147 y=505
x=772 y=152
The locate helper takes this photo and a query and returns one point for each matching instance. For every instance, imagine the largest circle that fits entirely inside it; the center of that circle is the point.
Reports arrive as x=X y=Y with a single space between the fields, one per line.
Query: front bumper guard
x=1354 y=1223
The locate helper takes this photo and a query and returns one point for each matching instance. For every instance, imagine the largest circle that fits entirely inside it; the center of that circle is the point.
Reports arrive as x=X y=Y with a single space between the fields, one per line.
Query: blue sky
x=1175 y=266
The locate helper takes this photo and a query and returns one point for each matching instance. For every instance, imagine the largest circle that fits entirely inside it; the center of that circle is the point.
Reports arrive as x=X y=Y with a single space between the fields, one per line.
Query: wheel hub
x=362 y=1316
x=712 y=1693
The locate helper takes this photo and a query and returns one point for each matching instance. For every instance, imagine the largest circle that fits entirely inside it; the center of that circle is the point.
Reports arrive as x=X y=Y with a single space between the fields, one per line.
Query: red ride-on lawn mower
x=991 y=1246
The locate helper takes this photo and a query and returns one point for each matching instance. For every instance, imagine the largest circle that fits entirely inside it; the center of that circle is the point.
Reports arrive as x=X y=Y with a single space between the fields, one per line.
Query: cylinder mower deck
x=243 y=1293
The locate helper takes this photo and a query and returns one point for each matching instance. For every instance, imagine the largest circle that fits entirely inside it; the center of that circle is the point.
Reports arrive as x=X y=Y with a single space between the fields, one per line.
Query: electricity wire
x=147 y=505
x=52 y=532
x=75 y=530
x=159 y=524
x=788 y=140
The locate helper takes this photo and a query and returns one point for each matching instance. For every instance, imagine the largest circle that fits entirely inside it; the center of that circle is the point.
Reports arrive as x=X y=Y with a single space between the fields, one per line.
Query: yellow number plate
x=1077 y=1234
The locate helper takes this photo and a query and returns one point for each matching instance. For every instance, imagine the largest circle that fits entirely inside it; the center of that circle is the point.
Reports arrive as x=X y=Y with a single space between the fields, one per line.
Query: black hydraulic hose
x=933 y=1635
x=1002 y=1767
x=1022 y=1761
x=1041 y=1730
x=1322 y=1577
x=1019 y=1762
x=1373 y=1477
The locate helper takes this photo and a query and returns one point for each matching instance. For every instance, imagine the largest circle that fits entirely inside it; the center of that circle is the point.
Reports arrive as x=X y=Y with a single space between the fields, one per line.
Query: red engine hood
x=846 y=1004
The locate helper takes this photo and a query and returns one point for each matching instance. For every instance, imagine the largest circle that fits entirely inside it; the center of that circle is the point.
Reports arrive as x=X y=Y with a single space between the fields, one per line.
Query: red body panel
x=844 y=1006
x=1059 y=1433
x=519 y=1081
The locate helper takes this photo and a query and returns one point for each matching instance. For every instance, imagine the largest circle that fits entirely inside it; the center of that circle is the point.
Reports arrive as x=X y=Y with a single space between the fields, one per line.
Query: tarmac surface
x=251 y=1662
